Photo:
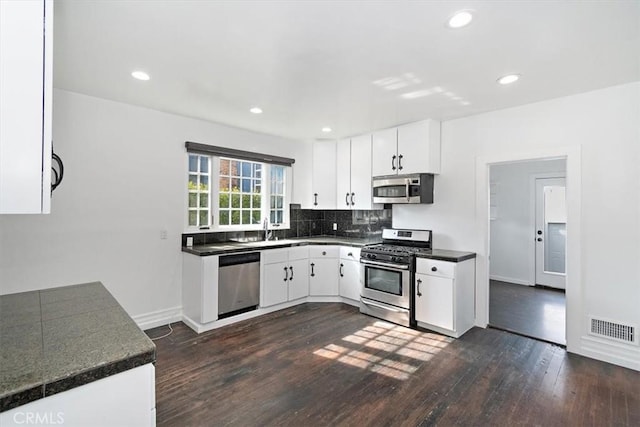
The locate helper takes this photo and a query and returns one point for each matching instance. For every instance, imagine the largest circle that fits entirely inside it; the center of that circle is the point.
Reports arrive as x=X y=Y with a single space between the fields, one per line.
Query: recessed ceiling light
x=508 y=79
x=326 y=129
x=256 y=110
x=140 y=75
x=460 y=19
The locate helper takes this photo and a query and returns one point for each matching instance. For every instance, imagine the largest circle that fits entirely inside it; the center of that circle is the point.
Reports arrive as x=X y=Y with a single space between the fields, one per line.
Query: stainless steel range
x=388 y=270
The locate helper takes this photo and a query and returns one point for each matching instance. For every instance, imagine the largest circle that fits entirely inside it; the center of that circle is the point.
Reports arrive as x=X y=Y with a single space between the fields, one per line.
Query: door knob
x=539 y=232
x=539 y=239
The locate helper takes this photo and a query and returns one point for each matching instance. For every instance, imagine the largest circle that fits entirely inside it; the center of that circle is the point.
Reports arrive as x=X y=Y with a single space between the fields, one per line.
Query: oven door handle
x=384 y=264
x=384 y=307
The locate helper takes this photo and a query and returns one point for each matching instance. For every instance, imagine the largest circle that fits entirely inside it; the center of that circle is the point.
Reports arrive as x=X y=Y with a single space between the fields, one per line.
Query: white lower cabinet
x=349 y=280
x=444 y=295
x=323 y=270
x=284 y=275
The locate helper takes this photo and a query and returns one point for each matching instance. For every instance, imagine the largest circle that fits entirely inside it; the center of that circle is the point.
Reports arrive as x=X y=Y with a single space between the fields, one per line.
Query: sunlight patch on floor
x=383 y=337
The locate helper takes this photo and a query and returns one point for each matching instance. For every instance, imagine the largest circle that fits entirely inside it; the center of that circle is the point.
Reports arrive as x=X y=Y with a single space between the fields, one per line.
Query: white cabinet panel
x=343 y=174
x=384 y=152
x=298 y=279
x=361 y=173
x=324 y=175
x=323 y=277
x=275 y=286
x=419 y=147
x=350 y=279
x=434 y=301
x=25 y=105
x=286 y=280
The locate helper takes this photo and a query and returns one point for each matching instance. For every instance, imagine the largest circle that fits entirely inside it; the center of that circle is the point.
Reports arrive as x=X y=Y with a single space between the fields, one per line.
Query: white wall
x=124 y=182
x=603 y=127
x=512 y=238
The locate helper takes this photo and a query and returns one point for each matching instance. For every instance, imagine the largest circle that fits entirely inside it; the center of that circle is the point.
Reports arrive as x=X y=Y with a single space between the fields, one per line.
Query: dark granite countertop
x=447 y=255
x=53 y=340
x=235 y=247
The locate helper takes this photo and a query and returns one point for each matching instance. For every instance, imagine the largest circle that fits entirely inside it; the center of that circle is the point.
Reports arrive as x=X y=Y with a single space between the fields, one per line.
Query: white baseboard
x=510 y=280
x=158 y=318
x=626 y=355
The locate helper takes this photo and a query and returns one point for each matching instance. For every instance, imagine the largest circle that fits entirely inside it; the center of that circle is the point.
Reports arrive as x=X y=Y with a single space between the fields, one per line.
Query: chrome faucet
x=265 y=227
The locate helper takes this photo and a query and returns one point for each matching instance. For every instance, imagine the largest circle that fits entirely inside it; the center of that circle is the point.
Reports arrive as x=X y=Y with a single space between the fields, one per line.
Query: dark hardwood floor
x=532 y=311
x=325 y=364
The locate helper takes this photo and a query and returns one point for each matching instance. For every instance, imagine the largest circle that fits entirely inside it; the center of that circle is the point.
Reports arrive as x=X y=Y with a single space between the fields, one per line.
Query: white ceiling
x=343 y=64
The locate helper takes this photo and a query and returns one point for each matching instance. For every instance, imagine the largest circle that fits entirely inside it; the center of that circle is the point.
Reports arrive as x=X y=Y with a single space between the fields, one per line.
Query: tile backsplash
x=311 y=222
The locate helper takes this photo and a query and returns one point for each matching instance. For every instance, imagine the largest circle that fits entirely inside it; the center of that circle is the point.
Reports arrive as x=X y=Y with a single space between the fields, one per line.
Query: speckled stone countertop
x=447 y=255
x=53 y=340
x=234 y=247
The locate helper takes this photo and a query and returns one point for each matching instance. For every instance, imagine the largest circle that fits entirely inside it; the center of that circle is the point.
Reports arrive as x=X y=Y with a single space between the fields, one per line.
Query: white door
x=551 y=232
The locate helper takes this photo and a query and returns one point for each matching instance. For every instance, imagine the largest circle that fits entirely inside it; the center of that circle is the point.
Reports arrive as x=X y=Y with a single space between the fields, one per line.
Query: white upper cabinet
x=410 y=148
x=26 y=42
x=323 y=180
x=343 y=174
x=353 y=173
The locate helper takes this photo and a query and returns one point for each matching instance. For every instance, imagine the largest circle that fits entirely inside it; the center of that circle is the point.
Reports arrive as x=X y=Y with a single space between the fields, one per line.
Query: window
x=242 y=193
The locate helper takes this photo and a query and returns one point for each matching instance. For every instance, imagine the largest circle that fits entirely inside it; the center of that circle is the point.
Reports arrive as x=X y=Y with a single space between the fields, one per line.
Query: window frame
x=214 y=197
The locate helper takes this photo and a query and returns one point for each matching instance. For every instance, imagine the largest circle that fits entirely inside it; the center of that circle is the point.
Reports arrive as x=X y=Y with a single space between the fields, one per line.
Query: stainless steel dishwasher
x=238 y=283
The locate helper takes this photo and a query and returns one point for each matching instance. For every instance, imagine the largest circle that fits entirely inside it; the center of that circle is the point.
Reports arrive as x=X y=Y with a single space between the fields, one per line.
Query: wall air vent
x=612 y=330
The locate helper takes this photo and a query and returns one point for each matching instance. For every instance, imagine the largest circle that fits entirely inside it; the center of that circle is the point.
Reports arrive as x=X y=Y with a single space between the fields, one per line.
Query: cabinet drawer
x=435 y=267
x=324 y=251
x=272 y=256
x=351 y=253
x=301 y=252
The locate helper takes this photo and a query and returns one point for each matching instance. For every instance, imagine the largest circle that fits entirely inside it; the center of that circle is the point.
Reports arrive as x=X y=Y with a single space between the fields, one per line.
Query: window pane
x=272 y=217
x=224 y=217
x=257 y=201
x=246 y=201
x=246 y=169
x=224 y=167
x=235 y=184
x=246 y=185
x=193 y=182
x=234 y=168
x=256 y=216
x=279 y=202
x=235 y=217
x=193 y=163
x=204 y=164
x=204 y=183
x=193 y=200
x=246 y=217
x=223 y=200
x=204 y=200
x=235 y=200
x=279 y=215
x=193 y=218
x=204 y=217
x=223 y=184
x=272 y=202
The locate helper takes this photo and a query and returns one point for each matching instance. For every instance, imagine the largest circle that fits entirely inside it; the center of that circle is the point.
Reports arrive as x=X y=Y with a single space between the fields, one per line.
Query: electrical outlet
x=335 y=226
x=163 y=234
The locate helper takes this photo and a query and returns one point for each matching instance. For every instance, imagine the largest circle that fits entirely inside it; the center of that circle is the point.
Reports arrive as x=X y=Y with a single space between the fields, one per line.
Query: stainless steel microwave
x=413 y=188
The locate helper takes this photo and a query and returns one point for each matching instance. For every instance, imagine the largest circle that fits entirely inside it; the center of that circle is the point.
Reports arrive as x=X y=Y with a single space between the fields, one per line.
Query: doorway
x=527 y=247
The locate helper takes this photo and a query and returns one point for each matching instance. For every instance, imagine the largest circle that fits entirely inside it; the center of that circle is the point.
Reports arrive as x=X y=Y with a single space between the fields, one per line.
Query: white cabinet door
x=361 y=173
x=25 y=105
x=298 y=279
x=434 y=300
x=324 y=175
x=343 y=174
x=384 y=152
x=419 y=147
x=350 y=279
x=276 y=284
x=323 y=277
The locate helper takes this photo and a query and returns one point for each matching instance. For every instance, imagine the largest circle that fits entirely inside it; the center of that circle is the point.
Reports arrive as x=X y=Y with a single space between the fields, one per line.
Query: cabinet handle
x=400 y=162
x=350 y=254
x=393 y=163
x=312 y=273
x=353 y=202
x=346 y=199
x=434 y=268
x=315 y=199
x=418 y=289
x=341 y=267
x=291 y=268
x=324 y=252
x=286 y=274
